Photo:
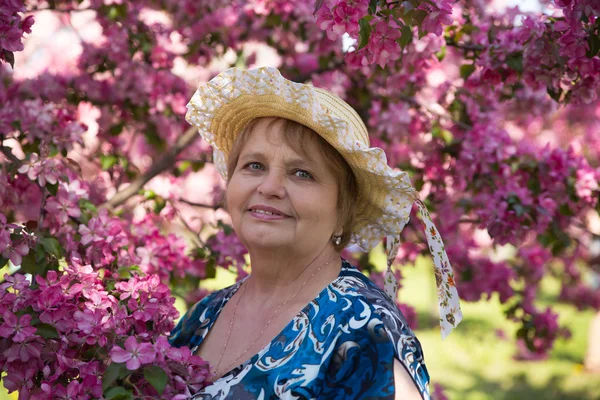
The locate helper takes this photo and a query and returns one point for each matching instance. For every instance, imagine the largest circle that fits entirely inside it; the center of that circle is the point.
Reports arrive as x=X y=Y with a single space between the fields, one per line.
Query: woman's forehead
x=269 y=135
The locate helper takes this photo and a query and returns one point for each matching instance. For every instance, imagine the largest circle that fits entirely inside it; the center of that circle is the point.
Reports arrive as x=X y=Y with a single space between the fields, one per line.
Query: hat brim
x=385 y=195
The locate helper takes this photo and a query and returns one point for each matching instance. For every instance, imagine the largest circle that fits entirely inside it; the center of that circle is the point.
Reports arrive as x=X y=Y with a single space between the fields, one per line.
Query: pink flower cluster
x=516 y=190
x=538 y=334
x=61 y=333
x=382 y=30
x=12 y=249
x=12 y=29
x=228 y=251
x=53 y=124
x=557 y=55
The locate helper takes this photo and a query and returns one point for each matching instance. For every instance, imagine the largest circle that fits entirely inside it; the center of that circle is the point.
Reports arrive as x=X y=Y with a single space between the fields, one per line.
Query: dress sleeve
x=186 y=332
x=362 y=364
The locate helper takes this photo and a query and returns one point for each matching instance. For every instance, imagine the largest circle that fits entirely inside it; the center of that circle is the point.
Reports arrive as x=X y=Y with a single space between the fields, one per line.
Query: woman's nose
x=272 y=184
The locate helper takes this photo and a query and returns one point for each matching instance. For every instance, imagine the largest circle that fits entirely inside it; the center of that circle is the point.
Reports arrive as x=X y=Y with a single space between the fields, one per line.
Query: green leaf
x=29 y=265
x=373 y=6
x=565 y=210
x=53 y=150
x=87 y=205
x=52 y=246
x=116 y=11
x=115 y=130
x=555 y=94
x=3 y=261
x=157 y=377
x=126 y=272
x=466 y=70
x=519 y=209
x=118 y=393
x=273 y=20
x=210 y=270
x=227 y=229
x=364 y=33
x=46 y=331
x=149 y=194
x=442 y=53
x=113 y=372
x=9 y=57
x=515 y=62
x=407 y=36
x=159 y=204
x=108 y=161
x=52 y=189
x=594 y=46
x=40 y=254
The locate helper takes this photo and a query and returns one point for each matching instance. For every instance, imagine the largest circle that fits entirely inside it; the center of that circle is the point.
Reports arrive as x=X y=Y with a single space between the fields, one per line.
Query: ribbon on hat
x=448 y=301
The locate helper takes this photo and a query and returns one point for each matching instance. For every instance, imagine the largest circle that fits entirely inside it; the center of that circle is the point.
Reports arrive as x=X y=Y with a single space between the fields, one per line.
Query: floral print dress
x=342 y=345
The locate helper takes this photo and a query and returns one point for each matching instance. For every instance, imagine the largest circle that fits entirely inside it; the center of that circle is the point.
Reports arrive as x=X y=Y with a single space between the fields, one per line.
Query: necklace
x=217 y=370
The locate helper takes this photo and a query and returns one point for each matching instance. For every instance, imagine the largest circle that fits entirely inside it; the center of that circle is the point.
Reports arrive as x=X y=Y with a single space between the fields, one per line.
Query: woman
x=302 y=183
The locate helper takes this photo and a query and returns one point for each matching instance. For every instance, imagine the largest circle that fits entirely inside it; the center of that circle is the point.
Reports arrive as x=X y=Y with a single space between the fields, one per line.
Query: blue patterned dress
x=342 y=345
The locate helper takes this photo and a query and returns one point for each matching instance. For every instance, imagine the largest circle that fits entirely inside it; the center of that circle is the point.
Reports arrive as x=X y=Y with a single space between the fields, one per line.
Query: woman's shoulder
x=386 y=321
x=360 y=287
x=200 y=315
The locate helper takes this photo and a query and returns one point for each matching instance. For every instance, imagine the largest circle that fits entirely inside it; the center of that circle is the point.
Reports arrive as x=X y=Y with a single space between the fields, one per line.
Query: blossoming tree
x=490 y=113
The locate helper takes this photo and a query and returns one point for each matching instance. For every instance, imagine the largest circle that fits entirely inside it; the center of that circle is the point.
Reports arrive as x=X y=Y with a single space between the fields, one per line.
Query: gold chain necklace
x=216 y=370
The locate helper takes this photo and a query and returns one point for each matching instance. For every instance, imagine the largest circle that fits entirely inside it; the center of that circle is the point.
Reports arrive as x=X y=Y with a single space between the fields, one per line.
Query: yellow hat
x=222 y=107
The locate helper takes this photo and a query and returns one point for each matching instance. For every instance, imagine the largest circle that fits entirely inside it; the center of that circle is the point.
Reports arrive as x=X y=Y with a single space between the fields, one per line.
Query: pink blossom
x=20 y=379
x=345 y=18
x=14 y=252
x=10 y=38
x=587 y=183
x=17 y=326
x=64 y=205
x=383 y=46
x=145 y=309
x=228 y=248
x=326 y=22
x=134 y=355
x=72 y=391
x=25 y=351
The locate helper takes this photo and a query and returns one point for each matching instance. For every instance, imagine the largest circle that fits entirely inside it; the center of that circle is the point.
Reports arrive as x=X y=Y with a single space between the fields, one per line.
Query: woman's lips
x=266 y=213
x=267 y=217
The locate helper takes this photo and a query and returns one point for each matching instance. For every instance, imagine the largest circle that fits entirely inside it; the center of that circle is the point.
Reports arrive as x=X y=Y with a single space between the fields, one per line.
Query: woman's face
x=279 y=198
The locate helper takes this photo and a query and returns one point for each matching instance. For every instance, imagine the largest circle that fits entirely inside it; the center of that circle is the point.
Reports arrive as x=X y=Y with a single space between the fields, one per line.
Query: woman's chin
x=267 y=243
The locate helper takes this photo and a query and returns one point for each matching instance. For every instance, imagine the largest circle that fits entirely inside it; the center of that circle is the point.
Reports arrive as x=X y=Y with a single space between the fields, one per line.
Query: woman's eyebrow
x=291 y=161
x=254 y=155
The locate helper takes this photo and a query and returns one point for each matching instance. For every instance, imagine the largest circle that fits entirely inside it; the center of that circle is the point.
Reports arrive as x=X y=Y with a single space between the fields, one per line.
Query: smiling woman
x=302 y=183
x=312 y=164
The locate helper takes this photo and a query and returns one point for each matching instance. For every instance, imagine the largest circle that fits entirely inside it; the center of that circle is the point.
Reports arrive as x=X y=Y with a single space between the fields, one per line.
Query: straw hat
x=222 y=107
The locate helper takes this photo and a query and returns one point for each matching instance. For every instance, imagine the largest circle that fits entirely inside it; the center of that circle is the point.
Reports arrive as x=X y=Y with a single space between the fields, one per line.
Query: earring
x=337 y=239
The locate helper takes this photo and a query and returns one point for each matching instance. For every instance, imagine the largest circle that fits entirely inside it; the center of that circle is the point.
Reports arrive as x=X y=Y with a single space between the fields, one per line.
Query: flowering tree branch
x=201 y=205
x=159 y=166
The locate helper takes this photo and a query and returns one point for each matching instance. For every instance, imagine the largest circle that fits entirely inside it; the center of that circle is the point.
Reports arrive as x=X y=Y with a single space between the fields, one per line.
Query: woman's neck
x=278 y=274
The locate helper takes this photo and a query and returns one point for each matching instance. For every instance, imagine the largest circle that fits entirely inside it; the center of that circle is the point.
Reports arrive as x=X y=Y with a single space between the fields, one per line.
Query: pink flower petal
x=119 y=355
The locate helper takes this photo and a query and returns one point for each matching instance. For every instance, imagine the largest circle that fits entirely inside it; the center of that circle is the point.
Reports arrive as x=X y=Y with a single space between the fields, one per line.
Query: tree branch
x=216 y=207
x=64 y=10
x=412 y=101
x=465 y=46
x=159 y=166
x=469 y=221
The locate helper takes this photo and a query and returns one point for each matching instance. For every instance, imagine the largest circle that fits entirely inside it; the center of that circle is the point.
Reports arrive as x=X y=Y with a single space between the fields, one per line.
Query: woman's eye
x=303 y=174
x=254 y=166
